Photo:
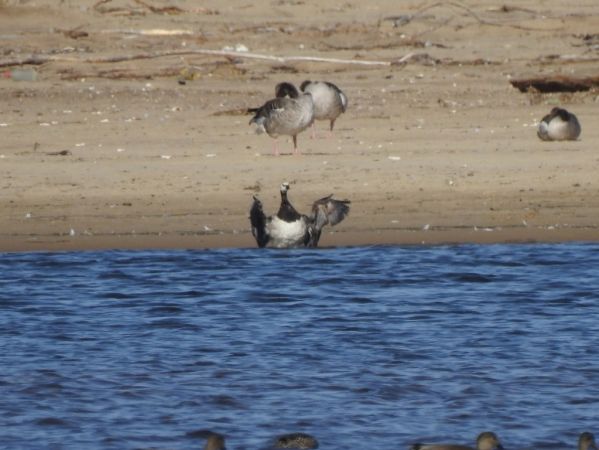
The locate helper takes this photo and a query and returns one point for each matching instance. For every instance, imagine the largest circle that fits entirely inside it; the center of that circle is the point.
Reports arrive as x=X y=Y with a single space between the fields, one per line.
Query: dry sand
x=440 y=149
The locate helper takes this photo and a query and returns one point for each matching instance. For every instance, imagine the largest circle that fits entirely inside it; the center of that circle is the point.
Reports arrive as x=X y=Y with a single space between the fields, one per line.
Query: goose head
x=214 y=441
x=285 y=89
x=586 y=441
x=488 y=441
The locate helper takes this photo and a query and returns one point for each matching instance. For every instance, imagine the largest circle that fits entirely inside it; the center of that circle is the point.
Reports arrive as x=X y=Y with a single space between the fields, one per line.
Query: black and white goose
x=289 y=113
x=288 y=228
x=559 y=125
x=329 y=101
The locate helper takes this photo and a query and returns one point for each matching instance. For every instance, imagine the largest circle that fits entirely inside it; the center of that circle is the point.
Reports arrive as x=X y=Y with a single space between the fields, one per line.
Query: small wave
x=51 y=422
x=173 y=324
x=165 y=309
x=470 y=277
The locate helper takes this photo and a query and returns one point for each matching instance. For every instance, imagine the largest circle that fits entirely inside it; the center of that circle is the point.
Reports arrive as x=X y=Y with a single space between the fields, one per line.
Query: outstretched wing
x=258 y=222
x=328 y=211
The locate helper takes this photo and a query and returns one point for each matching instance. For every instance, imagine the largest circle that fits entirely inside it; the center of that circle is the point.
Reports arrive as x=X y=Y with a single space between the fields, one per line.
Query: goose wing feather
x=258 y=221
x=328 y=211
x=340 y=93
x=270 y=108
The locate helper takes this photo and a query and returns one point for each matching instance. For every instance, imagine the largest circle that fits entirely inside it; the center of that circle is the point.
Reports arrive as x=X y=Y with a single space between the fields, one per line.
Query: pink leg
x=296 y=150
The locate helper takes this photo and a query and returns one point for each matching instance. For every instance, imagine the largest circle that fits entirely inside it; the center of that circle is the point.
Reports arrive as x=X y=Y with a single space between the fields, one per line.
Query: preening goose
x=559 y=125
x=329 y=101
x=289 y=113
x=288 y=228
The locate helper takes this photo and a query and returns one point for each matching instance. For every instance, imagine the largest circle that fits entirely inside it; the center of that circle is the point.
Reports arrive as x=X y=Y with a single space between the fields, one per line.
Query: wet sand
x=438 y=149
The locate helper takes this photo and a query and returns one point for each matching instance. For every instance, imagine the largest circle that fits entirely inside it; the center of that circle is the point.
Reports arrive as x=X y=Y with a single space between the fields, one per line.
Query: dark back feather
x=282 y=90
x=266 y=110
x=341 y=94
x=258 y=222
x=555 y=112
x=304 y=84
x=333 y=87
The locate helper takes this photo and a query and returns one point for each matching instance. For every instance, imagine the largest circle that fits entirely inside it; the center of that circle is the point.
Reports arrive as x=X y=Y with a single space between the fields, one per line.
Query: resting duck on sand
x=485 y=441
x=329 y=101
x=559 y=125
x=288 y=228
x=289 y=113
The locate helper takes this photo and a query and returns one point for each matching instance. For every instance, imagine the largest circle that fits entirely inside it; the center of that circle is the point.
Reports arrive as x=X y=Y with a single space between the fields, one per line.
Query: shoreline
x=101 y=152
x=336 y=239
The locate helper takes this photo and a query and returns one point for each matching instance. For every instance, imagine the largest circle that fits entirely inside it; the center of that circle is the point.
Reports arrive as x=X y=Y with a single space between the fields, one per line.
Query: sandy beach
x=133 y=136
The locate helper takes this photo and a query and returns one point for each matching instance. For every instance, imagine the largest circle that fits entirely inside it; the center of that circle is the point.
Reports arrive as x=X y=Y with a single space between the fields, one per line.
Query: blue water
x=374 y=347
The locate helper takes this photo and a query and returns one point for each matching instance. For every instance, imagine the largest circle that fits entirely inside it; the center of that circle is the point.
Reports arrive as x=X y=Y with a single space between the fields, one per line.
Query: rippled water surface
x=374 y=347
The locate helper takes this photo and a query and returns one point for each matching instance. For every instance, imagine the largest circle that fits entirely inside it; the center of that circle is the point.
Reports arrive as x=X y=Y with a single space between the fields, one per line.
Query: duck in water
x=586 y=441
x=299 y=441
x=559 y=125
x=288 y=228
x=485 y=441
x=214 y=441
x=289 y=113
x=302 y=441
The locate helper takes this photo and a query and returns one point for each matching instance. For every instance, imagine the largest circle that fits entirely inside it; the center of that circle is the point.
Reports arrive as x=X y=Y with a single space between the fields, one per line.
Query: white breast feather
x=286 y=234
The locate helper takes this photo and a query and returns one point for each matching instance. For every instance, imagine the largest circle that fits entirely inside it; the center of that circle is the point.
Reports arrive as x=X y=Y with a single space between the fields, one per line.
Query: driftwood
x=414 y=58
x=555 y=83
x=233 y=112
x=74 y=33
x=42 y=59
x=98 y=6
x=160 y=10
x=401 y=20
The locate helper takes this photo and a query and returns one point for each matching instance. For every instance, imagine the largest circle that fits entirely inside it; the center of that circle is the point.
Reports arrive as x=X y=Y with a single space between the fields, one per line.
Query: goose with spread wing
x=289 y=113
x=288 y=228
